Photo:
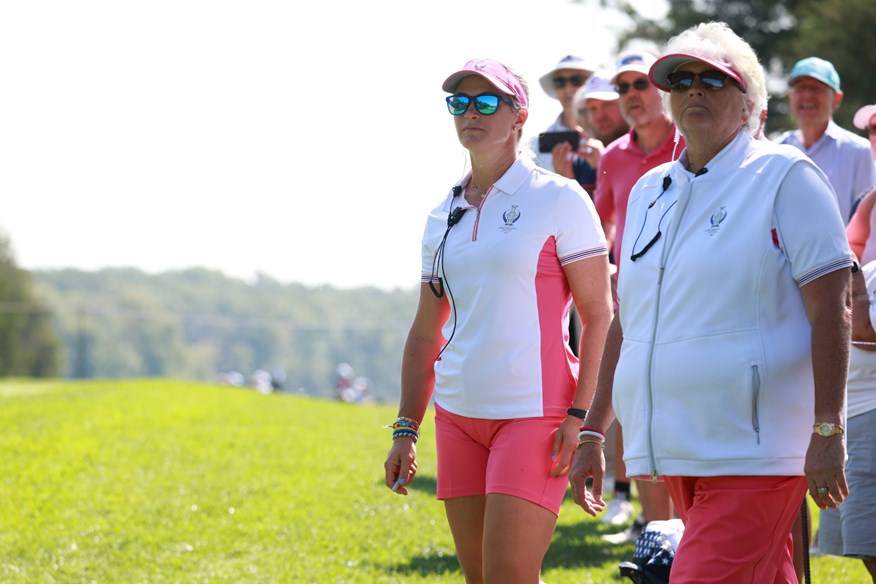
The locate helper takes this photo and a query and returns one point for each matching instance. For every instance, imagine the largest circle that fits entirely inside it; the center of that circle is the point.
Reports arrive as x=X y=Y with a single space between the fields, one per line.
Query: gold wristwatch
x=827 y=429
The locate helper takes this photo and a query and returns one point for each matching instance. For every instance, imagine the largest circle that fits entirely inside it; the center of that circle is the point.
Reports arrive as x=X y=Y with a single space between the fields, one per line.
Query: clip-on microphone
x=453 y=217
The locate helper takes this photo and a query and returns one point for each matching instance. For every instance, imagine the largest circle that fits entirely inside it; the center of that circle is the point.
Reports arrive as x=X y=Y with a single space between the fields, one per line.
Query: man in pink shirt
x=648 y=144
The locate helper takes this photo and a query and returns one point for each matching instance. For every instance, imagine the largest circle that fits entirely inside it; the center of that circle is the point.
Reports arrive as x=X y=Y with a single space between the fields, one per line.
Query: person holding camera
x=505 y=254
x=599 y=114
x=726 y=363
x=561 y=83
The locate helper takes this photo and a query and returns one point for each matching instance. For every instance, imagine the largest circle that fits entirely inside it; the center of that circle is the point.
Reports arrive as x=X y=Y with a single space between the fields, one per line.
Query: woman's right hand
x=401 y=464
x=589 y=461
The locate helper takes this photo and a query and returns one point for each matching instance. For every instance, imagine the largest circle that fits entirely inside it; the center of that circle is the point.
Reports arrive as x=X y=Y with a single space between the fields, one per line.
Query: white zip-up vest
x=715 y=371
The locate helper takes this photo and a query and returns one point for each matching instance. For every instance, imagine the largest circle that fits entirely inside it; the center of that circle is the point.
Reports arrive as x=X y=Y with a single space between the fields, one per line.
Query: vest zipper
x=672 y=230
x=755 y=393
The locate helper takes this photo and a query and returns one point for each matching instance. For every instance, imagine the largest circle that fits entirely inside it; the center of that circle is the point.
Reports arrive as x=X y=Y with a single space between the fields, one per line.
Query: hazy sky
x=252 y=136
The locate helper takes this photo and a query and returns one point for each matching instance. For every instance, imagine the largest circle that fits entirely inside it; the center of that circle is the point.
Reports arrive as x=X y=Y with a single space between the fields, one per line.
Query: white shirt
x=845 y=159
x=508 y=354
x=861 y=392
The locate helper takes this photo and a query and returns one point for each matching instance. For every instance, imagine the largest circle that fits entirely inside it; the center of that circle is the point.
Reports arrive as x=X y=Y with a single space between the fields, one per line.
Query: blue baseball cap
x=818 y=69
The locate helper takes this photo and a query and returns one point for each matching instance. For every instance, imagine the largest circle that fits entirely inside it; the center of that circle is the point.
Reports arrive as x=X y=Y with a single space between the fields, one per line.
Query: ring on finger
x=823 y=490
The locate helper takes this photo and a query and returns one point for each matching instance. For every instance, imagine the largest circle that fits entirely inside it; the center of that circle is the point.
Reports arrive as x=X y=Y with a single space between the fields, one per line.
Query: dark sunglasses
x=485 y=103
x=712 y=80
x=640 y=84
x=871 y=130
x=576 y=80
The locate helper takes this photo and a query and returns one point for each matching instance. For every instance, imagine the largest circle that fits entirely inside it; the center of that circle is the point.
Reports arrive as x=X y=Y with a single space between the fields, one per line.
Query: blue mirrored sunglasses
x=485 y=103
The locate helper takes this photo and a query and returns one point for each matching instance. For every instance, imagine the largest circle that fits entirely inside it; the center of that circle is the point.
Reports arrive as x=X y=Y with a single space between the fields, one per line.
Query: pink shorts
x=736 y=528
x=477 y=456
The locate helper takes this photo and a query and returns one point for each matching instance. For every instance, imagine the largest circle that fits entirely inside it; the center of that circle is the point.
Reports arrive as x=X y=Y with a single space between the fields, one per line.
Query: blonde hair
x=716 y=40
x=518 y=106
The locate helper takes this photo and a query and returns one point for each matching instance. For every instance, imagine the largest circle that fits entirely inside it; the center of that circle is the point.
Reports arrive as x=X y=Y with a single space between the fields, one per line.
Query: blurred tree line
x=198 y=324
x=28 y=345
x=781 y=32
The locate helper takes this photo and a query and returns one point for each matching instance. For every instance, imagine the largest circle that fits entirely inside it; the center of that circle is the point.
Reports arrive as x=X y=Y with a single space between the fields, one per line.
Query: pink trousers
x=736 y=528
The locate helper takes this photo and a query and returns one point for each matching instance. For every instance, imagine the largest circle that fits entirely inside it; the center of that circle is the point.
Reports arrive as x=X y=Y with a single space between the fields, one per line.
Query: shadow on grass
x=576 y=546
x=424 y=484
x=437 y=564
x=579 y=546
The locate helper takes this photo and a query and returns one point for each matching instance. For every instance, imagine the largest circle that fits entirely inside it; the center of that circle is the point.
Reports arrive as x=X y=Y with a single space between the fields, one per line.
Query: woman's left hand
x=824 y=470
x=565 y=443
x=589 y=463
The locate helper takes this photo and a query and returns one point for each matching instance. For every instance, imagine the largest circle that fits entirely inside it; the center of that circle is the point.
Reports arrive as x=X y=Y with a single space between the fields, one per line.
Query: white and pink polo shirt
x=502 y=271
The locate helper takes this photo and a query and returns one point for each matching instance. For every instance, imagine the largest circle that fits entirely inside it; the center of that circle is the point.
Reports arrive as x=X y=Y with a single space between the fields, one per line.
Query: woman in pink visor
x=504 y=254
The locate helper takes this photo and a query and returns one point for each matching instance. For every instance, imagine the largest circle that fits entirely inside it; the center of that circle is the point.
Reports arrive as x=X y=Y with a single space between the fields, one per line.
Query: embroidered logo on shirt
x=715 y=220
x=510 y=217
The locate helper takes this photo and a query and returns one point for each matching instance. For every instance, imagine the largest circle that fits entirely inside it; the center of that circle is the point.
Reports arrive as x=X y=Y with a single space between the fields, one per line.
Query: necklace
x=477 y=191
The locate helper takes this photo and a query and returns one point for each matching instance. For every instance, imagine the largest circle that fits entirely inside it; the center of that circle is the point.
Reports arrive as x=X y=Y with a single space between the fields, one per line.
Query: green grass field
x=165 y=481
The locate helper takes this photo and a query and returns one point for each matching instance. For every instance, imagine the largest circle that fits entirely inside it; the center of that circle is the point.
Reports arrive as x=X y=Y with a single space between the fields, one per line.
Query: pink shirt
x=621 y=165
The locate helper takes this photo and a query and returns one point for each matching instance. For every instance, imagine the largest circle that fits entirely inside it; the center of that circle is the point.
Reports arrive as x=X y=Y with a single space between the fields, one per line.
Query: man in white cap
x=844 y=157
x=599 y=114
x=865 y=119
x=599 y=109
x=568 y=75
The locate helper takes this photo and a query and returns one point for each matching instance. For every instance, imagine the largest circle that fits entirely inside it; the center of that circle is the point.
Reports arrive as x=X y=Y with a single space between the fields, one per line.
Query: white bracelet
x=592 y=433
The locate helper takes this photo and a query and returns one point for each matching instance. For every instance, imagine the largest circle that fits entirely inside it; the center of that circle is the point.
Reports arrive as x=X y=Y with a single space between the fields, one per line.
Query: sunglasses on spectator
x=711 y=80
x=576 y=80
x=485 y=103
x=871 y=130
x=640 y=84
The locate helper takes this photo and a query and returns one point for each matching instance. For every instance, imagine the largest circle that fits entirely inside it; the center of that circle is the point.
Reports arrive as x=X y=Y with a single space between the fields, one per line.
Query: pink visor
x=497 y=74
x=662 y=67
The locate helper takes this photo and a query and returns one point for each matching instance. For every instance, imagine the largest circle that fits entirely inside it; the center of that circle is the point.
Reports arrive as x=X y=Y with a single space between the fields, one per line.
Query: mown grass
x=165 y=481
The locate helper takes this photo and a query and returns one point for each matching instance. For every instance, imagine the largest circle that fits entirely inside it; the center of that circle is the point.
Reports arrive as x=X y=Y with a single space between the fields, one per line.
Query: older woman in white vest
x=726 y=362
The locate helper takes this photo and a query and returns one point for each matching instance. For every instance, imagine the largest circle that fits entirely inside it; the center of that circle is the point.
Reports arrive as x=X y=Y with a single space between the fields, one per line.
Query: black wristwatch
x=577 y=412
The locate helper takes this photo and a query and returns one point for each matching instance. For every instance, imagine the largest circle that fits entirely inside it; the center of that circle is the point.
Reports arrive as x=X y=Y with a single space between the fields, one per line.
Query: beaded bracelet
x=584 y=433
x=405 y=433
x=583 y=442
x=403 y=422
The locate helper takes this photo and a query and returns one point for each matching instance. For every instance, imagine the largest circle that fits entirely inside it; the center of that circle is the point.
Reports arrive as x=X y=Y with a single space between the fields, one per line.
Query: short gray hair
x=716 y=40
